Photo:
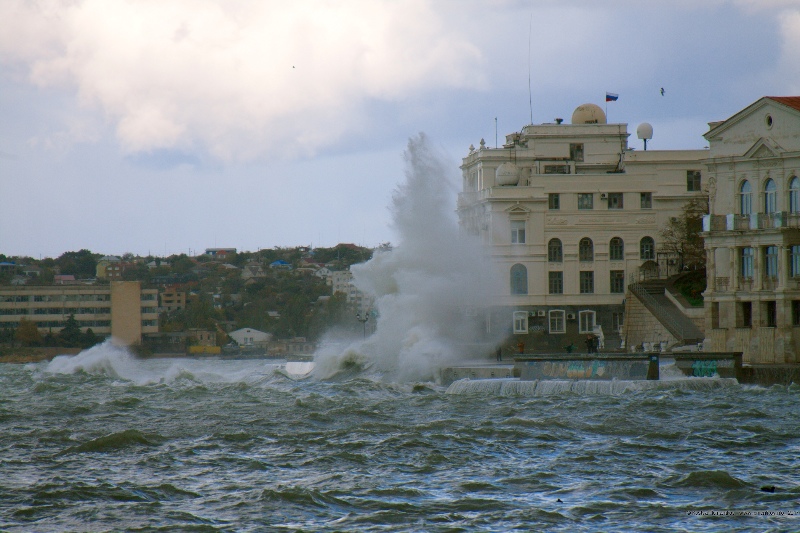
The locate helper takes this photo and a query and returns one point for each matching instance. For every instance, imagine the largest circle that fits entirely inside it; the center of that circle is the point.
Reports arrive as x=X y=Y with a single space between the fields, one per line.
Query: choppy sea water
x=105 y=442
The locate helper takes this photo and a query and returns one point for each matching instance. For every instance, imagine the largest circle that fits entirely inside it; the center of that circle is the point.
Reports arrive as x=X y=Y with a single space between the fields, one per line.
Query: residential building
x=250 y=337
x=752 y=234
x=108 y=267
x=122 y=309
x=253 y=270
x=220 y=253
x=341 y=281
x=572 y=215
x=171 y=300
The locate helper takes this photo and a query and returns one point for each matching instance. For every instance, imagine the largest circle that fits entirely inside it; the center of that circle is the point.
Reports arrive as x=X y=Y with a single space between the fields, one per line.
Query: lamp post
x=363 y=320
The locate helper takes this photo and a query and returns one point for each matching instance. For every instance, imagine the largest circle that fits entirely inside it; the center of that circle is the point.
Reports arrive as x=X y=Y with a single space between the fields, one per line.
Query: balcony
x=754 y=221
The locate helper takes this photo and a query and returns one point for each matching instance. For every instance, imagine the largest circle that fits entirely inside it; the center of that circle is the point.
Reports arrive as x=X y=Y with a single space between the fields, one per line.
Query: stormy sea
x=106 y=442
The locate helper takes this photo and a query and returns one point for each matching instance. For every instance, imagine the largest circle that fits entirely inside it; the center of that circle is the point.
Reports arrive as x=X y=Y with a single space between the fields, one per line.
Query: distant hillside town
x=272 y=301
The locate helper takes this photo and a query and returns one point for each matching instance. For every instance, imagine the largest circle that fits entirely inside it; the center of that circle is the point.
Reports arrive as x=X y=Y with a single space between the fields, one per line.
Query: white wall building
x=752 y=236
x=250 y=337
x=572 y=216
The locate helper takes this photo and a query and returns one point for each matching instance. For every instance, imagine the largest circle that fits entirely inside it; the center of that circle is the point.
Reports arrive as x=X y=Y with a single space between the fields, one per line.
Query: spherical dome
x=588 y=114
x=507 y=174
x=644 y=131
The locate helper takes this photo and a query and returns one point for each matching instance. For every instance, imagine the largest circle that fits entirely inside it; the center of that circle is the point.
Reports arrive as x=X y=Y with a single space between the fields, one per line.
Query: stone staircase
x=652 y=295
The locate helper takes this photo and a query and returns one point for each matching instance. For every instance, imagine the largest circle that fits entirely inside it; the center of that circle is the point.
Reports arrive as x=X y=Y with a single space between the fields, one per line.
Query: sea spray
x=430 y=292
x=108 y=359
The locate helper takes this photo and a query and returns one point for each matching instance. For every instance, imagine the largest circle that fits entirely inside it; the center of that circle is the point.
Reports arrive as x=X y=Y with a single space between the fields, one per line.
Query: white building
x=250 y=337
x=341 y=281
x=572 y=215
x=752 y=236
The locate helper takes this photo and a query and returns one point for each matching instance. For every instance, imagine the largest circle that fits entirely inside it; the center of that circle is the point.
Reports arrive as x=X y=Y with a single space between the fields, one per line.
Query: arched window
x=616 y=249
x=770 y=200
x=794 y=195
x=586 y=250
x=745 y=198
x=647 y=248
x=519 y=279
x=554 y=251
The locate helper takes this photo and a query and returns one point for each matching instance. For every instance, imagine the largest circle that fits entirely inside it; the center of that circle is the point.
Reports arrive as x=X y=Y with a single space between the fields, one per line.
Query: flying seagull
x=662 y=91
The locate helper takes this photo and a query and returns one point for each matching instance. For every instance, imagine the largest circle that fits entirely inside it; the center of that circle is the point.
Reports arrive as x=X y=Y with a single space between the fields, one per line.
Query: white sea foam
x=105 y=358
x=430 y=290
x=117 y=362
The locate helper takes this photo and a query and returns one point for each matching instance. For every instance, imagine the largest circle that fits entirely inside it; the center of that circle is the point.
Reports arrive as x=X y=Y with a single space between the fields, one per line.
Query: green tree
x=7 y=336
x=70 y=335
x=89 y=339
x=28 y=334
x=82 y=264
x=181 y=264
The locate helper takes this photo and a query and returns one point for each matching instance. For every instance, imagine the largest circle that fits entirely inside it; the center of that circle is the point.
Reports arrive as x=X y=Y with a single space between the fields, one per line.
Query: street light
x=363 y=320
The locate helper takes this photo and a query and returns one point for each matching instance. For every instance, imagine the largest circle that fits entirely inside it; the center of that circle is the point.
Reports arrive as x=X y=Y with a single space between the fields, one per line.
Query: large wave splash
x=430 y=291
x=116 y=362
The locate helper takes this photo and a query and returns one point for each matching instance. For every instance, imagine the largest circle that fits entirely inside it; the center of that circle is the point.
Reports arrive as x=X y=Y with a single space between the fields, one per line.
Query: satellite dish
x=644 y=132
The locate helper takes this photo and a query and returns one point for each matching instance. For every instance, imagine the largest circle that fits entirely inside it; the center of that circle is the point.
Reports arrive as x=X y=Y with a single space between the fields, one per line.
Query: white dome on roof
x=588 y=114
x=507 y=174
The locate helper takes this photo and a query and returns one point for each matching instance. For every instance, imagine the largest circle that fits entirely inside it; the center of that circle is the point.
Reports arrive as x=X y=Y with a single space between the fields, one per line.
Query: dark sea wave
x=110 y=443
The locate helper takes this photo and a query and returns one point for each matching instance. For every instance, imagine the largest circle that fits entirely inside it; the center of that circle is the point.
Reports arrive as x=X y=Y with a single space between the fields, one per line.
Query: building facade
x=572 y=215
x=752 y=234
x=122 y=309
x=172 y=300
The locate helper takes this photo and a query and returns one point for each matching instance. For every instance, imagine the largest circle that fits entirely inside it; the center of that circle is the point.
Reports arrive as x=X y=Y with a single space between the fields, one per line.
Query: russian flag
x=611 y=97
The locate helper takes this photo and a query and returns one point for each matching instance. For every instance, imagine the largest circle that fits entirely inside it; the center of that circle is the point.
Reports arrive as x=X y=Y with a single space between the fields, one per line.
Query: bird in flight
x=662 y=91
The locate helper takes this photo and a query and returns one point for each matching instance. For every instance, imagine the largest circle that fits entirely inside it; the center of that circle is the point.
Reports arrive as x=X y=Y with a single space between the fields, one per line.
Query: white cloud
x=239 y=79
x=790 y=53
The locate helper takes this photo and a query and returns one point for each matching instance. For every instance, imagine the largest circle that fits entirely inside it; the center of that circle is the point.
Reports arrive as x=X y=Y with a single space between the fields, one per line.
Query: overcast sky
x=169 y=126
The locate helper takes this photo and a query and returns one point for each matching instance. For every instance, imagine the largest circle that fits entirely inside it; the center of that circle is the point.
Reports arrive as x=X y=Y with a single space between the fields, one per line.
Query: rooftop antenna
x=495 y=132
x=530 y=94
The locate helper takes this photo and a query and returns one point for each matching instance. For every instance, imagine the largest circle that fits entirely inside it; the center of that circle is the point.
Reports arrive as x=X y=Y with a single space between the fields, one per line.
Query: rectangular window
x=617 y=321
x=553 y=201
x=517 y=232
x=576 y=151
x=796 y=312
x=795 y=261
x=746 y=256
x=615 y=200
x=585 y=201
x=520 y=322
x=770 y=314
x=587 y=282
x=556 y=169
x=693 y=181
x=771 y=262
x=617 y=281
x=556 y=322
x=646 y=200
x=744 y=314
x=556 y=282
x=586 y=321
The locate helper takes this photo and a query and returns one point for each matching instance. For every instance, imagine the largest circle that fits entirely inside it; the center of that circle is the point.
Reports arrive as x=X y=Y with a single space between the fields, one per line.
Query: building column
x=758 y=270
x=711 y=267
x=735 y=275
x=783 y=266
